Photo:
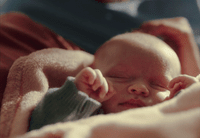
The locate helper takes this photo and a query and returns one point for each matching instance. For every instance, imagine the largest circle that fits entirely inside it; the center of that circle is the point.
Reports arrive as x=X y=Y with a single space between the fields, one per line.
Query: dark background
x=89 y=23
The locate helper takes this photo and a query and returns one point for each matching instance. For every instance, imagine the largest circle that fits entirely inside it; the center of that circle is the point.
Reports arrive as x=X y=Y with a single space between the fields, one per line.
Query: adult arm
x=178 y=34
x=20 y=36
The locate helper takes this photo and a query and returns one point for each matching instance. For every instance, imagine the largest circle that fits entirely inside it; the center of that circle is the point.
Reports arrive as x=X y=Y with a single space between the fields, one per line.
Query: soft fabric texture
x=29 y=79
x=21 y=36
x=176 y=118
x=62 y=104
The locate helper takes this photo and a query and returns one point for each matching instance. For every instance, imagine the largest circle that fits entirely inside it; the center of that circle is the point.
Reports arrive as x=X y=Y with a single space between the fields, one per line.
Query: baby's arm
x=72 y=101
x=181 y=82
x=62 y=105
x=92 y=82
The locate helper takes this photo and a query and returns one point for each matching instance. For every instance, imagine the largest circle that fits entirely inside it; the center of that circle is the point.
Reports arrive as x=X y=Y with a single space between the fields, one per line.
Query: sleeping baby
x=131 y=70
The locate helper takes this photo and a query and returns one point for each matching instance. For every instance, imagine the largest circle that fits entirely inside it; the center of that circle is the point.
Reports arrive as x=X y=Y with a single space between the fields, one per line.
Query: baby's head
x=138 y=68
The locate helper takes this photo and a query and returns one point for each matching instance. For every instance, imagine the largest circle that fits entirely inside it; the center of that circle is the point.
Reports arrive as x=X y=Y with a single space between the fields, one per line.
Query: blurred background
x=89 y=23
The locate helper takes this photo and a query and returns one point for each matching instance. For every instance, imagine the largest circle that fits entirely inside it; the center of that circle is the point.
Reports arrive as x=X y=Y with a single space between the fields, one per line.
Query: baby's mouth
x=133 y=103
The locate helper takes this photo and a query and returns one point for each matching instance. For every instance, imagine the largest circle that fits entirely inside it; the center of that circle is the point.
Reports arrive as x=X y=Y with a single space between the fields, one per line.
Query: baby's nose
x=138 y=89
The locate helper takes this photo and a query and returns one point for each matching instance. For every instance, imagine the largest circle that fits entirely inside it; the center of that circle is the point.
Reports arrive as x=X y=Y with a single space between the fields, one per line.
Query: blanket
x=30 y=77
x=20 y=36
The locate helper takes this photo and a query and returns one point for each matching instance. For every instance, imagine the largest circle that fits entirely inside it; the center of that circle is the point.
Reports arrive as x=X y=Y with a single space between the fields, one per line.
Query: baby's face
x=138 y=73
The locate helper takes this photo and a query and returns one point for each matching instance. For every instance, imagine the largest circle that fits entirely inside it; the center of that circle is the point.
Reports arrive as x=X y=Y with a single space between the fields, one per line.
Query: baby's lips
x=134 y=102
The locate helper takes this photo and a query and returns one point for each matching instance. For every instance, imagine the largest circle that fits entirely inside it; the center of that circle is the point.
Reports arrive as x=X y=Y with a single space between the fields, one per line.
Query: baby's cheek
x=157 y=98
x=115 y=87
x=148 y=101
x=161 y=96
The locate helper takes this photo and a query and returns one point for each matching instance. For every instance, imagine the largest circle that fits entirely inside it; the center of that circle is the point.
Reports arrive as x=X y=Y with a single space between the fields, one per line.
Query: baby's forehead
x=134 y=42
x=142 y=46
x=138 y=40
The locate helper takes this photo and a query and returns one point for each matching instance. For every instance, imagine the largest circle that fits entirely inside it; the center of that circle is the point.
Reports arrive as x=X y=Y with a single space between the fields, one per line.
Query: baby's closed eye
x=160 y=82
x=119 y=79
x=159 y=86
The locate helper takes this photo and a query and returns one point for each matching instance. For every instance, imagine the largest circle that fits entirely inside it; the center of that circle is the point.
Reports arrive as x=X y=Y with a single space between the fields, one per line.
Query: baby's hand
x=92 y=82
x=181 y=82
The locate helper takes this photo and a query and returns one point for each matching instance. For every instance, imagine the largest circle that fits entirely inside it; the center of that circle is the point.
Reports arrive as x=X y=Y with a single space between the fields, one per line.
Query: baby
x=131 y=70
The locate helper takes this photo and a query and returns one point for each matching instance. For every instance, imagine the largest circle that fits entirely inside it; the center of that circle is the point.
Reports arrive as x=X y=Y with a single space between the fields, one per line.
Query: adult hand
x=177 y=33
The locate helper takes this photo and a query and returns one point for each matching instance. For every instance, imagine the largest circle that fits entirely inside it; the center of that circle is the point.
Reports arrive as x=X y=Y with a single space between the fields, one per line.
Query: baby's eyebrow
x=117 y=70
x=123 y=70
x=116 y=74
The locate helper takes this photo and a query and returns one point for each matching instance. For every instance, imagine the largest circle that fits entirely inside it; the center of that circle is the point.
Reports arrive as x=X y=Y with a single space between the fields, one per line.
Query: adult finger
x=155 y=26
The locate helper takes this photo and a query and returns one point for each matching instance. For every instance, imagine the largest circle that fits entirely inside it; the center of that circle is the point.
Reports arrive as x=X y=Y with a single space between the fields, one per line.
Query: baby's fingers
x=103 y=89
x=91 y=74
x=175 y=81
x=176 y=89
x=99 y=80
x=184 y=79
x=100 y=84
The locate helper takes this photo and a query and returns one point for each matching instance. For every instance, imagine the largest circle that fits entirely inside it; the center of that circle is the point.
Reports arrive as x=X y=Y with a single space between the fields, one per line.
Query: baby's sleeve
x=61 y=105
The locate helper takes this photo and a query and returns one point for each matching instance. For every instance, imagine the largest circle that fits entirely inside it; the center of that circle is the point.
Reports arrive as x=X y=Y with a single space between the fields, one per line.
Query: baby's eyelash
x=159 y=85
x=116 y=76
x=119 y=79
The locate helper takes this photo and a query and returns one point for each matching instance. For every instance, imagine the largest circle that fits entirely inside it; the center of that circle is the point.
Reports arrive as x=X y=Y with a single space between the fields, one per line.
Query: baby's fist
x=181 y=82
x=92 y=82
